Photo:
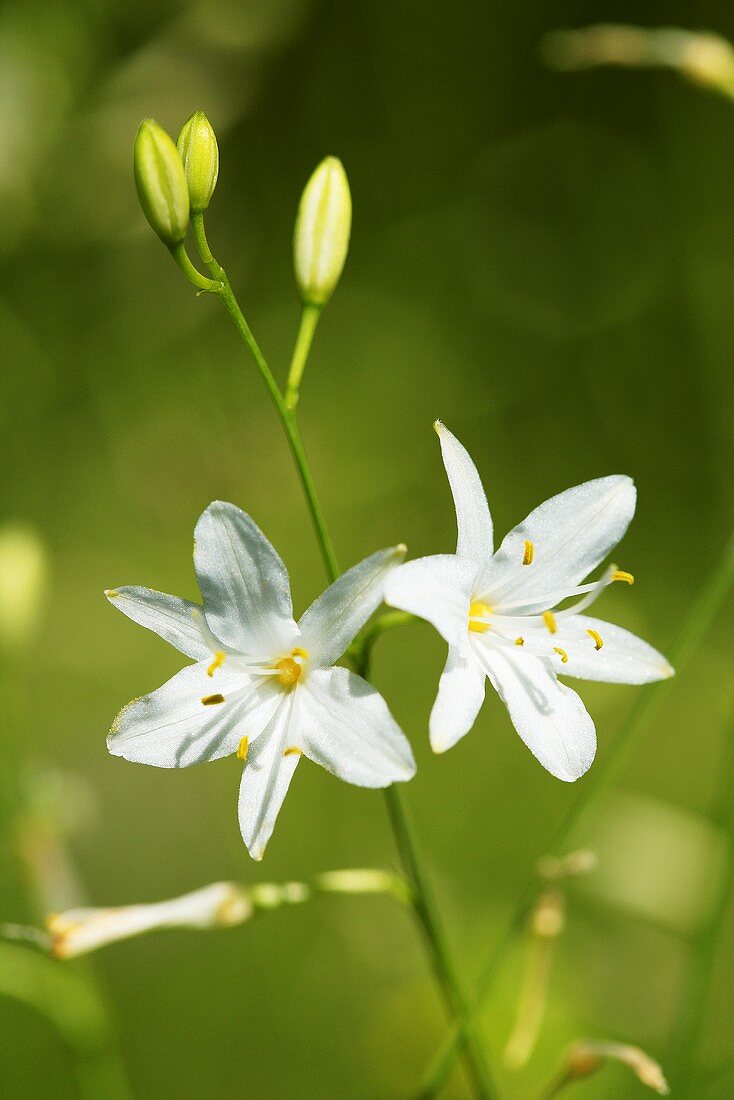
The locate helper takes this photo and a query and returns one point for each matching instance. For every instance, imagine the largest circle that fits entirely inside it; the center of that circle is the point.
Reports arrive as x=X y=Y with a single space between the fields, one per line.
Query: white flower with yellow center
x=498 y=612
x=263 y=686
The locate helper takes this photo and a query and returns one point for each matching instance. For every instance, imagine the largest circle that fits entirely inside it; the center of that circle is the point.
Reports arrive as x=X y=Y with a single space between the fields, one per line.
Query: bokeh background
x=546 y=262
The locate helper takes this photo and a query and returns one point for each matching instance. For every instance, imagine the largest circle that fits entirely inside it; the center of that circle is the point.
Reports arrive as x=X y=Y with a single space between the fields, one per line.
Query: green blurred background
x=546 y=262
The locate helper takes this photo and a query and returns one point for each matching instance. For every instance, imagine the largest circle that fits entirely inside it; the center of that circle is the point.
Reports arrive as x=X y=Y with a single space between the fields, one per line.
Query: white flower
x=262 y=686
x=496 y=612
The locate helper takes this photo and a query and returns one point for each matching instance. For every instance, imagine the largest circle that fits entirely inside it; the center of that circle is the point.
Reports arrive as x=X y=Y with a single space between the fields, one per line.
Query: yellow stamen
x=292 y=751
x=519 y=641
x=528 y=553
x=242 y=749
x=212 y=700
x=219 y=659
x=477 y=610
x=620 y=575
x=550 y=621
x=562 y=654
x=289 y=671
x=598 y=643
x=299 y=652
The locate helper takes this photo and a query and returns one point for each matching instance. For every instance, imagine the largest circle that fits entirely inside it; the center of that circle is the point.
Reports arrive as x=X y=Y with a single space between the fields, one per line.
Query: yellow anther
x=477 y=610
x=292 y=751
x=219 y=659
x=620 y=575
x=519 y=641
x=550 y=621
x=598 y=643
x=289 y=671
x=562 y=654
x=242 y=749
x=299 y=652
x=528 y=553
x=212 y=700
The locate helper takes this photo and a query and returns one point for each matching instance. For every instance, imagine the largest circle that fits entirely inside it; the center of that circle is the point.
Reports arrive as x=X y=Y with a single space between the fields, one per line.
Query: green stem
x=426 y=911
x=181 y=257
x=287 y=416
x=309 y=320
x=599 y=782
x=423 y=902
x=694 y=1000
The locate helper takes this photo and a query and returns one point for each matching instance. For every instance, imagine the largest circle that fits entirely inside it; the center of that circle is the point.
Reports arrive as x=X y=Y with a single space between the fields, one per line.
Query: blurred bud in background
x=197 y=144
x=585 y=1057
x=23 y=584
x=78 y=931
x=321 y=238
x=161 y=183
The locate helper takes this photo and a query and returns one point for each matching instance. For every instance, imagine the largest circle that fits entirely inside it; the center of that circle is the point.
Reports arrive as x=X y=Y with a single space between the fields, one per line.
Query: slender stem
x=181 y=257
x=309 y=320
x=426 y=911
x=287 y=416
x=423 y=901
x=599 y=782
x=694 y=1000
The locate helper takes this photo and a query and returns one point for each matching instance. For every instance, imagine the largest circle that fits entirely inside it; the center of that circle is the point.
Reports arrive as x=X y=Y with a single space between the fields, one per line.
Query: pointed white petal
x=244 y=583
x=571 y=533
x=460 y=696
x=473 y=519
x=438 y=589
x=173 y=619
x=266 y=777
x=335 y=617
x=172 y=728
x=623 y=658
x=550 y=717
x=345 y=726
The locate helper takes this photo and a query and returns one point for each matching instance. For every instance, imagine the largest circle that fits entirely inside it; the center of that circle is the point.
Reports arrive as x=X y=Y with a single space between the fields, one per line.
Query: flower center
x=478 y=612
x=290 y=669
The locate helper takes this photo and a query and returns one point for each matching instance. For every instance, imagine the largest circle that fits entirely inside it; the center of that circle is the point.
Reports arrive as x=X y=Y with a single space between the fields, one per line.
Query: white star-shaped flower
x=263 y=686
x=498 y=613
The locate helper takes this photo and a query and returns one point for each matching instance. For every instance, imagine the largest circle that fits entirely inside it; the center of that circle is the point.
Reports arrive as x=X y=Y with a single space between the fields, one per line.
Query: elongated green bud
x=197 y=144
x=161 y=183
x=321 y=237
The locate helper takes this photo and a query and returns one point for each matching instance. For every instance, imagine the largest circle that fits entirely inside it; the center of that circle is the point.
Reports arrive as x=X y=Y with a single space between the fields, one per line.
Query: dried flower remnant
x=545 y=926
x=702 y=57
x=587 y=1056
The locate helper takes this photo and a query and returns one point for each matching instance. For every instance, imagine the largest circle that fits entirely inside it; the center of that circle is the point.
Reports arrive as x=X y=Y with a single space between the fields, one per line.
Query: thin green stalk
x=287 y=416
x=694 y=1000
x=423 y=902
x=309 y=320
x=706 y=605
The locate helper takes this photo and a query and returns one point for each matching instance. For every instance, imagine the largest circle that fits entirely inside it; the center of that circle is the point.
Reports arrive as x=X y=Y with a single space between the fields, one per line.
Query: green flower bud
x=161 y=183
x=197 y=144
x=321 y=236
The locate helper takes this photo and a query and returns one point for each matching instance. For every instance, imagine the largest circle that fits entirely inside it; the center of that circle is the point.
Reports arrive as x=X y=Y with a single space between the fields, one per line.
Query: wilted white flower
x=497 y=612
x=263 y=686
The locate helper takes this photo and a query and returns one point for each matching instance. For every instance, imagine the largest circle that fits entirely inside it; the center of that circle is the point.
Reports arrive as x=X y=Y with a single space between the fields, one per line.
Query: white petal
x=172 y=728
x=460 y=696
x=173 y=619
x=345 y=726
x=244 y=583
x=571 y=533
x=266 y=777
x=335 y=617
x=623 y=659
x=438 y=589
x=550 y=717
x=473 y=519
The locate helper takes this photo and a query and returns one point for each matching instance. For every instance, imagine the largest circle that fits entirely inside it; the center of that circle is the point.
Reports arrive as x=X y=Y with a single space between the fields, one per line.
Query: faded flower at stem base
x=498 y=612
x=263 y=686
